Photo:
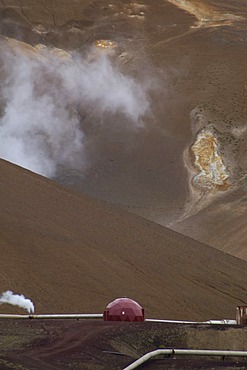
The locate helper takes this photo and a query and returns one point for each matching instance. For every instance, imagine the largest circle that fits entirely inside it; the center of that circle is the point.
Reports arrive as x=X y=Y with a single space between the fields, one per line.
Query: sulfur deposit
x=212 y=174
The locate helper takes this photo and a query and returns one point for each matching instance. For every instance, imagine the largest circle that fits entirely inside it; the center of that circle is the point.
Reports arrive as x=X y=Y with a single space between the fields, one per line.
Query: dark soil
x=91 y=344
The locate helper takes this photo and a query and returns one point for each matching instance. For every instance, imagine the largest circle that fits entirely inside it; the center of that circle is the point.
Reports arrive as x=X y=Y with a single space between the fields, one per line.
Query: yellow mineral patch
x=40 y=48
x=105 y=44
x=213 y=174
x=61 y=53
x=207 y=15
x=21 y=46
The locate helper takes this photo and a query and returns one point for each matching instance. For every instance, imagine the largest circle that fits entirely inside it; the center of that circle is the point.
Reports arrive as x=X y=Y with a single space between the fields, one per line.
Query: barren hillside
x=71 y=253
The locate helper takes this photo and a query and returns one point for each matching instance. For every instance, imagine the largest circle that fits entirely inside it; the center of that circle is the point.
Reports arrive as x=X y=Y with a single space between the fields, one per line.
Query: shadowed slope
x=225 y=219
x=69 y=252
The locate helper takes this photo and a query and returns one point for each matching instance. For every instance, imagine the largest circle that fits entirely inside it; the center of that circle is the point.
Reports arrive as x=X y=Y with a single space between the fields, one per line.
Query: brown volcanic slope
x=222 y=224
x=197 y=49
x=71 y=253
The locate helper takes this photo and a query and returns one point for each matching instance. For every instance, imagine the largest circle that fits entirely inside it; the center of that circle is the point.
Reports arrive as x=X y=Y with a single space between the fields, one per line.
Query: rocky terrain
x=90 y=344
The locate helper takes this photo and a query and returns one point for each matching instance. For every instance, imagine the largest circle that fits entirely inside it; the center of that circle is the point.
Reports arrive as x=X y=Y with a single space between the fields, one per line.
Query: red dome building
x=124 y=309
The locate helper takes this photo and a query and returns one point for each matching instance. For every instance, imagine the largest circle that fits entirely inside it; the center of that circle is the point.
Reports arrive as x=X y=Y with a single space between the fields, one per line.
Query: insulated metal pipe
x=54 y=316
x=99 y=316
x=68 y=316
x=209 y=322
x=191 y=352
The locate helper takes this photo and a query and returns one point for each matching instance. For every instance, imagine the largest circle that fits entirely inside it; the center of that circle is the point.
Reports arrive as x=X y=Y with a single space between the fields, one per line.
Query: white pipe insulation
x=192 y=352
x=214 y=322
x=100 y=316
x=54 y=316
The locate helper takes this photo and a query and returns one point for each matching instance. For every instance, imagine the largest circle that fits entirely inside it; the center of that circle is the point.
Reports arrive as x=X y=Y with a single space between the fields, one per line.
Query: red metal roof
x=124 y=309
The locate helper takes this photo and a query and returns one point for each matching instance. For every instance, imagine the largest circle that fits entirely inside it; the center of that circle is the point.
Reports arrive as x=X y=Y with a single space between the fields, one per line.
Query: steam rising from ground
x=41 y=103
x=17 y=300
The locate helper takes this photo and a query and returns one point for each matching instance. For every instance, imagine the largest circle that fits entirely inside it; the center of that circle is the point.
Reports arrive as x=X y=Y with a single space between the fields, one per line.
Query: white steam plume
x=17 y=300
x=40 y=127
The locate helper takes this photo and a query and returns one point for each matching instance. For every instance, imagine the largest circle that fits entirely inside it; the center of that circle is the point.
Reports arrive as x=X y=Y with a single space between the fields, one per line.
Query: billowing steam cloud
x=17 y=300
x=41 y=104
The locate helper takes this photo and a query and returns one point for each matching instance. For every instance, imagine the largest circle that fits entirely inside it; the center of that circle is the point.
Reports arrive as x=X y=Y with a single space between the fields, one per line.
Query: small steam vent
x=241 y=315
x=124 y=309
